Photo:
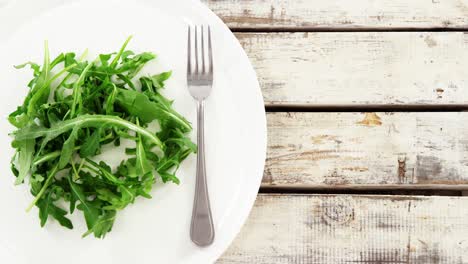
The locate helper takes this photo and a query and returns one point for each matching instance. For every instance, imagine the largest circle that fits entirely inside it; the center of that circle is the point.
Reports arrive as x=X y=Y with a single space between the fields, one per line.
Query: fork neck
x=201 y=106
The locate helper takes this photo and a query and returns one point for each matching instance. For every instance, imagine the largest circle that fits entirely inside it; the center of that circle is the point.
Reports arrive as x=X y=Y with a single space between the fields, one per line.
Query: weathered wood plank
x=355 y=69
x=367 y=150
x=353 y=229
x=341 y=14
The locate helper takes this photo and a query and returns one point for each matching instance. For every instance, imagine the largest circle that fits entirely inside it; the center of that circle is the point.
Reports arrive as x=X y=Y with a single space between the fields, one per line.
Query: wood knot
x=371 y=119
x=337 y=211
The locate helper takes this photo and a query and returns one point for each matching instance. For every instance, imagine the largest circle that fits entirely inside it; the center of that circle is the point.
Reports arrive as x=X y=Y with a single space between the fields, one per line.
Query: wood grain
x=353 y=229
x=360 y=69
x=341 y=14
x=367 y=150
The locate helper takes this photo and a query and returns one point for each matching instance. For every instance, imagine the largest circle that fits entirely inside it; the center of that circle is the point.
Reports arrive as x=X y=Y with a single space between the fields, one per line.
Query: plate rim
x=250 y=198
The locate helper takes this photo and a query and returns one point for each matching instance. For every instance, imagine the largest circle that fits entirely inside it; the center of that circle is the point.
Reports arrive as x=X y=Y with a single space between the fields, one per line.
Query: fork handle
x=202 y=230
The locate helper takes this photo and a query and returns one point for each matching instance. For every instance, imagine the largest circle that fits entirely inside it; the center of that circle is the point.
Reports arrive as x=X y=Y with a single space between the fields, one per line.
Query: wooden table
x=368 y=141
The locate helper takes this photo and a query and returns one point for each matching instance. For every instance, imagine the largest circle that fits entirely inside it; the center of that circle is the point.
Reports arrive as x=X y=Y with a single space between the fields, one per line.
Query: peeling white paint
x=308 y=14
x=360 y=68
x=330 y=149
x=353 y=229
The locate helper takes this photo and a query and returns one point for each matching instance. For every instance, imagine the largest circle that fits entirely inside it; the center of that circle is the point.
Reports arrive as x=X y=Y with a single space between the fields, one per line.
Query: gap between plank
x=331 y=190
x=365 y=108
x=342 y=29
x=427 y=190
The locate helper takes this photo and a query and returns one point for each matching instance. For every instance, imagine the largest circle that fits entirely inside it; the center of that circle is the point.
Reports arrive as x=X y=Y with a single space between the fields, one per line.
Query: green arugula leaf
x=36 y=68
x=105 y=171
x=91 y=144
x=139 y=105
x=68 y=149
x=39 y=92
x=75 y=107
x=18 y=118
x=25 y=154
x=50 y=177
x=59 y=215
x=103 y=225
x=159 y=79
x=84 y=121
x=143 y=165
x=43 y=205
x=129 y=168
x=91 y=213
x=47 y=207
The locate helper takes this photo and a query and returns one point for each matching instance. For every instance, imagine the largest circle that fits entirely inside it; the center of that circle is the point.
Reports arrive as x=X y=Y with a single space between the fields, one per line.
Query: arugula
x=75 y=107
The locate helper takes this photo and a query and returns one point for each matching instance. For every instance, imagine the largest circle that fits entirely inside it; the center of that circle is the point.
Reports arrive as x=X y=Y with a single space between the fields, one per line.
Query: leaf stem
x=76 y=175
x=60 y=73
x=83 y=122
x=56 y=154
x=76 y=93
x=91 y=169
x=44 y=188
x=122 y=49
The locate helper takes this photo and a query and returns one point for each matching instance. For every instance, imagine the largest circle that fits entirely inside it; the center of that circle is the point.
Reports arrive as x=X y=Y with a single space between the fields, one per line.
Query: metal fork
x=200 y=82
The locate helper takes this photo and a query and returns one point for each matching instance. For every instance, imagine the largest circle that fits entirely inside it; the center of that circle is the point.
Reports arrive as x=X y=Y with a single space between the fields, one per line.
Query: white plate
x=150 y=231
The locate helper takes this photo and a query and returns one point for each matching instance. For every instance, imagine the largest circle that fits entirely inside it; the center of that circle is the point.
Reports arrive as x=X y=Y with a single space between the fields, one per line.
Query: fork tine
x=210 y=52
x=189 y=52
x=203 y=51
x=197 y=70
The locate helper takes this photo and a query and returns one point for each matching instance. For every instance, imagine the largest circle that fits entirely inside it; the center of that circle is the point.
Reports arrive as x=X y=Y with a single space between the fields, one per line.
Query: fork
x=200 y=82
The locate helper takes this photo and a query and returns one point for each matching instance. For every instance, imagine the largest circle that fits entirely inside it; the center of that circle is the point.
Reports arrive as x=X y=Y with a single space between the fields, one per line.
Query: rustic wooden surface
x=353 y=229
x=341 y=14
x=356 y=68
x=367 y=150
x=361 y=56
